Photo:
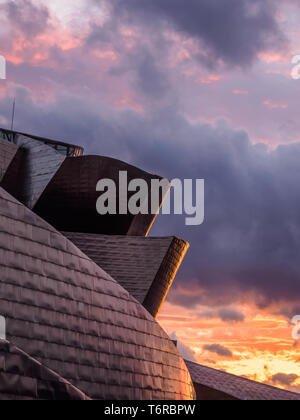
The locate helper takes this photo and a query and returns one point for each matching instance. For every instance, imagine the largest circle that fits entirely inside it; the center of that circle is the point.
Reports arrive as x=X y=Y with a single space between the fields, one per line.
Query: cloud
x=283 y=379
x=206 y=314
x=186 y=352
x=218 y=349
x=150 y=79
x=231 y=315
x=235 y=31
x=27 y=17
x=228 y=315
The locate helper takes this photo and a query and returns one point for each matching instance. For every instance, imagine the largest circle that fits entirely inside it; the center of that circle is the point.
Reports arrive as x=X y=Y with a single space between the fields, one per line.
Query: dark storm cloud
x=150 y=79
x=218 y=349
x=232 y=30
x=231 y=315
x=27 y=17
x=248 y=247
x=228 y=315
x=283 y=379
x=143 y=64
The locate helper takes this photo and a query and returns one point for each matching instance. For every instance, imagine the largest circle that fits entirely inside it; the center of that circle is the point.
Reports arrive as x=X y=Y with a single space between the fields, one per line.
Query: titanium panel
x=7 y=154
x=69 y=201
x=34 y=170
x=211 y=384
x=66 y=149
x=66 y=312
x=145 y=267
x=24 y=378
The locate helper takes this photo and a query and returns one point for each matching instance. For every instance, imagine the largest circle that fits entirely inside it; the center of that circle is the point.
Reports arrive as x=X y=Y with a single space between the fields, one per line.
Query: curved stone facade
x=66 y=312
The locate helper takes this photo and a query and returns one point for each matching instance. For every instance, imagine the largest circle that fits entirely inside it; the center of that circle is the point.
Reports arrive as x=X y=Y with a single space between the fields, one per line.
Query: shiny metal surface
x=24 y=378
x=212 y=384
x=66 y=149
x=146 y=267
x=69 y=201
x=66 y=312
x=34 y=167
x=7 y=154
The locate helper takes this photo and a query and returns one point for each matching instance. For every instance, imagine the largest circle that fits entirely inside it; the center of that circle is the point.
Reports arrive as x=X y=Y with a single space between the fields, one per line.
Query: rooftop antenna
x=13 y=114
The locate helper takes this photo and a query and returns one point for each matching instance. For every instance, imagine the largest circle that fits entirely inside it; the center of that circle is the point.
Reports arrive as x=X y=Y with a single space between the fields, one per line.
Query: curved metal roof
x=66 y=312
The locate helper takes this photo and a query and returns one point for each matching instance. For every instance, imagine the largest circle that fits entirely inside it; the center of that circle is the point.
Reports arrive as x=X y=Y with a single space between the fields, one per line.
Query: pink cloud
x=104 y=55
x=212 y=78
x=274 y=105
x=127 y=102
x=272 y=71
x=271 y=57
x=240 y=92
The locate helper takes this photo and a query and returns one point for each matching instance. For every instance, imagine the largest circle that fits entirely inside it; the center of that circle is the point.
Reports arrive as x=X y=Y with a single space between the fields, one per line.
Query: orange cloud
x=262 y=346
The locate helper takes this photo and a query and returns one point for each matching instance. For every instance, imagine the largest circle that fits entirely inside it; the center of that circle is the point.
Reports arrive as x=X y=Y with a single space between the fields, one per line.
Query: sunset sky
x=188 y=89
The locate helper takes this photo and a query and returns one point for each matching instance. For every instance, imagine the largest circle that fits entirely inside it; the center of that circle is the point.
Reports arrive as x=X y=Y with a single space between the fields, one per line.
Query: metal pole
x=13 y=115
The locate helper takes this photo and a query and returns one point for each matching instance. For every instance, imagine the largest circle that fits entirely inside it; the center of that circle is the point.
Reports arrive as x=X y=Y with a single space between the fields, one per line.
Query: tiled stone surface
x=146 y=267
x=66 y=312
x=234 y=386
x=24 y=378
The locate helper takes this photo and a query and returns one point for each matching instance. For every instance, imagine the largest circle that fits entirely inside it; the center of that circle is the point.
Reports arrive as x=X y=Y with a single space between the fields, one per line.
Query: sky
x=197 y=89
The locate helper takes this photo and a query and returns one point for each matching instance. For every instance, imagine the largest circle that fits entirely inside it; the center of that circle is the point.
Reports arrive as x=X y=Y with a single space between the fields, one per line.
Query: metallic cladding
x=34 y=169
x=69 y=201
x=66 y=312
x=7 y=154
x=145 y=267
x=214 y=384
x=24 y=378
